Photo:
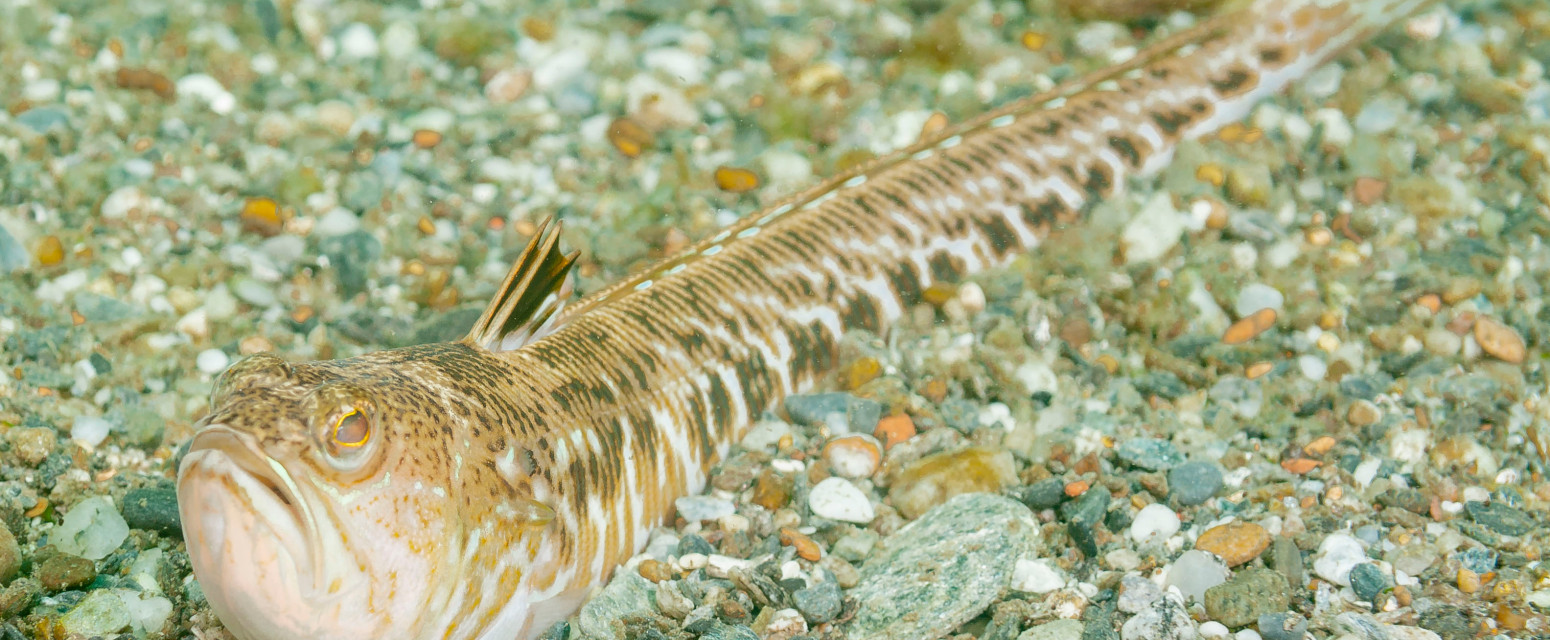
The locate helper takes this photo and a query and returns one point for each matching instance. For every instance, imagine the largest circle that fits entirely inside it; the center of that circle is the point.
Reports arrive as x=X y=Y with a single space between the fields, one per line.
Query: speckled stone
x=1282 y=626
x=627 y=595
x=1500 y=518
x=1154 y=454
x=1368 y=580
x=943 y=569
x=63 y=571
x=1248 y=595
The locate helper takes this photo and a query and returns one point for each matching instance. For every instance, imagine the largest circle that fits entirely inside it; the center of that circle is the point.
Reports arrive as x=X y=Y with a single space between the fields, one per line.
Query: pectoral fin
x=525 y=307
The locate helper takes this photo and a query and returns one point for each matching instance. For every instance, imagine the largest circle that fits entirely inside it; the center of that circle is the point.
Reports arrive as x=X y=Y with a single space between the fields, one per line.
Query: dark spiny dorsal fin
x=535 y=288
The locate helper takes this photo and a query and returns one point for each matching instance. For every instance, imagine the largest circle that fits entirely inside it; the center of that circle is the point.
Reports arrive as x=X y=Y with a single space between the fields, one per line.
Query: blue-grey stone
x=819 y=603
x=834 y=409
x=943 y=569
x=1500 y=518
x=1283 y=626
x=1194 y=482
x=1477 y=559
x=43 y=119
x=1368 y=580
x=1152 y=454
x=13 y=255
x=627 y=596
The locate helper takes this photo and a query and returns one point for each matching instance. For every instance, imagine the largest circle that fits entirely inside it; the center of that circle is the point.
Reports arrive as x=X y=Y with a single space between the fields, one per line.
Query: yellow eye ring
x=352 y=429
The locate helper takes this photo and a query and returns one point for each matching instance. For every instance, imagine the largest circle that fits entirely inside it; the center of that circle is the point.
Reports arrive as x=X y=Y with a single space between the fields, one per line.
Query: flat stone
x=627 y=596
x=1056 y=630
x=1235 y=542
x=1500 y=518
x=1249 y=595
x=818 y=603
x=1282 y=626
x=1153 y=454
x=943 y=569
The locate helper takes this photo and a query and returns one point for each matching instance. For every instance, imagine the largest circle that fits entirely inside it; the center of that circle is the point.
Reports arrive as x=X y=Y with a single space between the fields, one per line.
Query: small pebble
x=1235 y=542
x=1499 y=340
x=701 y=508
x=1194 y=482
x=1282 y=626
x=1154 y=523
x=1247 y=596
x=152 y=509
x=1196 y=571
x=1338 y=554
x=1368 y=580
x=1036 y=576
x=838 y=499
x=64 y=571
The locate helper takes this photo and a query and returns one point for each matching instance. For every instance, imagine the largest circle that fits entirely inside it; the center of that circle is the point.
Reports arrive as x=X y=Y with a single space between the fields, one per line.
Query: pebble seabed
x=1295 y=385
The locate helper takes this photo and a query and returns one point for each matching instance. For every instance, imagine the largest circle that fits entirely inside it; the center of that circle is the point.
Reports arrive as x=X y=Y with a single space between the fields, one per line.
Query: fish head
x=310 y=503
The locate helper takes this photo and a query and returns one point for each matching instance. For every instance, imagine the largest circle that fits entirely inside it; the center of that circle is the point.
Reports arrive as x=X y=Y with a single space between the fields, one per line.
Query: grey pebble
x=818 y=603
x=628 y=595
x=1193 y=483
x=1044 y=494
x=834 y=409
x=1282 y=626
x=1500 y=518
x=1152 y=454
x=692 y=543
x=1477 y=559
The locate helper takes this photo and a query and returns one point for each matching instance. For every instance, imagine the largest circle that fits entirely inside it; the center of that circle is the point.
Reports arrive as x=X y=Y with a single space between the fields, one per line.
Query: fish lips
x=249 y=532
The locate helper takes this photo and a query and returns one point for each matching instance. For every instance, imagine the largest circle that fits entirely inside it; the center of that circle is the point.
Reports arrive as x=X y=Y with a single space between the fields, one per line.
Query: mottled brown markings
x=1125 y=146
x=1235 y=81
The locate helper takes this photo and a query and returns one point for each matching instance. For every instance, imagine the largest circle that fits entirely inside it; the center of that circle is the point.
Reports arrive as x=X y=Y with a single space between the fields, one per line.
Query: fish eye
x=351 y=429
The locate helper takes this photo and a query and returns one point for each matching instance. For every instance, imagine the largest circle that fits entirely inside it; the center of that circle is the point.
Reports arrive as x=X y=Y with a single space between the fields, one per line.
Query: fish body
x=478 y=489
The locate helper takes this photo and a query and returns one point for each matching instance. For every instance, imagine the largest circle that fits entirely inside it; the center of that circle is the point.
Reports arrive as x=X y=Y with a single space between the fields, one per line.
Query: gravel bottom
x=1296 y=384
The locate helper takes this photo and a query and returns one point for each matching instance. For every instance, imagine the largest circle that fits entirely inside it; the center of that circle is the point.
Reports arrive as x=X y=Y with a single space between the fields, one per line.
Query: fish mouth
x=233 y=496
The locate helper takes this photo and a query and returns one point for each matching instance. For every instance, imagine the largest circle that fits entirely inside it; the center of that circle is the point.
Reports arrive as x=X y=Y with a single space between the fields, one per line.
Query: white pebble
x=208 y=90
x=400 y=39
x=358 y=42
x=91 y=529
x=41 y=90
x=692 y=561
x=1213 y=629
x=1194 y=572
x=1338 y=554
x=90 y=431
x=697 y=508
x=1256 y=296
x=1154 y=523
x=1036 y=576
x=1154 y=231
x=212 y=361
x=1246 y=634
x=720 y=566
x=1312 y=367
x=123 y=200
x=838 y=499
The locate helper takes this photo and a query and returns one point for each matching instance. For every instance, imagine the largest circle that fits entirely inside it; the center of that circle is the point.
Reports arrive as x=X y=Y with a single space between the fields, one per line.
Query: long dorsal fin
x=524 y=308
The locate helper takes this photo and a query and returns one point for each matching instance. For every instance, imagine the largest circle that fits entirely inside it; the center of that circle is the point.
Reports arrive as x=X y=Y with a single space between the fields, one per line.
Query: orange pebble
x=806 y=548
x=1320 y=446
x=1250 y=326
x=1077 y=488
x=426 y=138
x=629 y=137
x=1299 y=466
x=735 y=179
x=894 y=429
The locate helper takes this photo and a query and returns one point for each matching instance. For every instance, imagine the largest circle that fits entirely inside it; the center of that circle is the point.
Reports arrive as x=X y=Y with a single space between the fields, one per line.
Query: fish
x=481 y=488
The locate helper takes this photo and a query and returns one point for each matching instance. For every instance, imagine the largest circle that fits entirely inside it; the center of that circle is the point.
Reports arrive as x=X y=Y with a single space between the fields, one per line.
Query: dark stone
x=1044 y=494
x=152 y=509
x=1368 y=580
x=813 y=410
x=1448 y=622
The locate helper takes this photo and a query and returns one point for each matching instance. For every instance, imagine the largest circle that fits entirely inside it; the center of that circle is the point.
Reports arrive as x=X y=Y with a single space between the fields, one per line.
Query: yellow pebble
x=735 y=179
x=49 y=251
x=1211 y=173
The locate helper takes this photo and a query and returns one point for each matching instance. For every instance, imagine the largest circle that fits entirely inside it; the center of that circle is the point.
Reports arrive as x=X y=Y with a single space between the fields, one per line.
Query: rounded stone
x=1234 y=542
x=1368 y=580
x=1193 y=483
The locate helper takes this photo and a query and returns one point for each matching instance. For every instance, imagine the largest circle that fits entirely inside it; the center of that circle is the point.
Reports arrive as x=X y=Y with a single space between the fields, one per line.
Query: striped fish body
x=532 y=472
